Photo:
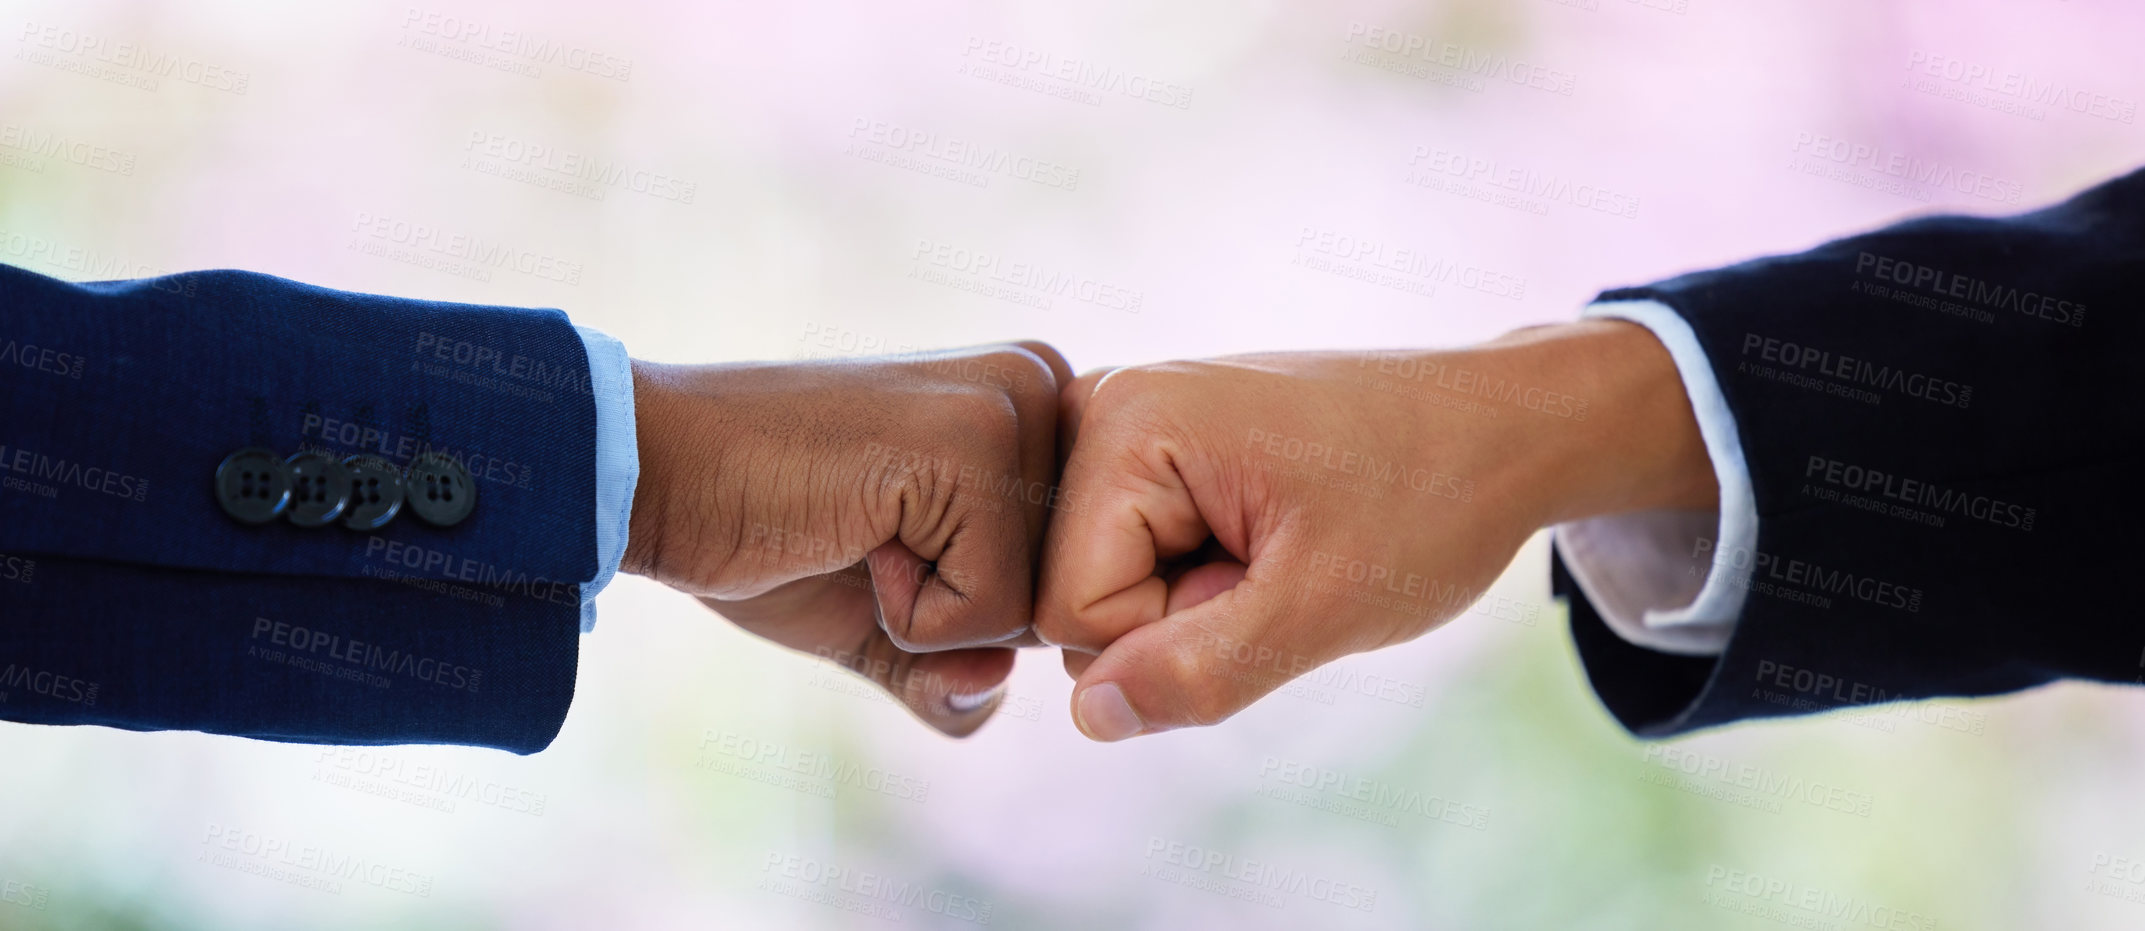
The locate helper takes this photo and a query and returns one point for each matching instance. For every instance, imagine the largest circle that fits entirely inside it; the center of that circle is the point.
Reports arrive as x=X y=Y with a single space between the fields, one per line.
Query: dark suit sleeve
x=1942 y=421
x=129 y=599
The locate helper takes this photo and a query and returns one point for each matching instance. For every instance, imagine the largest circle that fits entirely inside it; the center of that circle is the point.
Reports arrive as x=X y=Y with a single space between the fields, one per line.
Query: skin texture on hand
x=1245 y=520
x=883 y=514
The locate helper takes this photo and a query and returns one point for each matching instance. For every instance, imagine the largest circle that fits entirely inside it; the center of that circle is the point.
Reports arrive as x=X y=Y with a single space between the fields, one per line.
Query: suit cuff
x=618 y=463
x=1673 y=581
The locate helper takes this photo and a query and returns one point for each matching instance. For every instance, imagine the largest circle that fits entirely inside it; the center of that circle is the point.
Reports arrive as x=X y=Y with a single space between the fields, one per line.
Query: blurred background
x=1131 y=181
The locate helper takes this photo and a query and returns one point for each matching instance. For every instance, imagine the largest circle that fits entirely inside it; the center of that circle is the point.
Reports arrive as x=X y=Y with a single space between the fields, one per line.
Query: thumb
x=1193 y=668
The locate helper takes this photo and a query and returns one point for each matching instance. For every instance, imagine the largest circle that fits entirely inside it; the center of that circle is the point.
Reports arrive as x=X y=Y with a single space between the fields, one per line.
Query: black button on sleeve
x=320 y=489
x=375 y=492
x=440 y=490
x=253 y=485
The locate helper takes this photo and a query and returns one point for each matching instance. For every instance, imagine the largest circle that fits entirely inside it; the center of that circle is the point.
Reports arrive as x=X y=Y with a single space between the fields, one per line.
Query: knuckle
x=1207 y=707
x=978 y=415
x=1062 y=628
x=1123 y=386
x=1013 y=368
x=1052 y=360
x=1202 y=696
x=1064 y=619
x=938 y=630
x=959 y=440
x=1027 y=378
x=913 y=635
x=1139 y=399
x=1049 y=631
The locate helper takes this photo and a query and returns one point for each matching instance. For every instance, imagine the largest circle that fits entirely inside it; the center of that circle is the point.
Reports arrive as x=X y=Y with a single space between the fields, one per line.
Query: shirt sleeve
x=618 y=464
x=1653 y=575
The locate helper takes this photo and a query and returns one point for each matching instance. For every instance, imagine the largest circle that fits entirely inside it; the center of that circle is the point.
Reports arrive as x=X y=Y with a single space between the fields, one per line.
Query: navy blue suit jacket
x=129 y=599
x=1943 y=424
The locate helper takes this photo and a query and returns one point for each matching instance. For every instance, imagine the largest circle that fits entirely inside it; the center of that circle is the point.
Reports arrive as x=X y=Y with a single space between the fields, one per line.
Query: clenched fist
x=881 y=513
x=1244 y=520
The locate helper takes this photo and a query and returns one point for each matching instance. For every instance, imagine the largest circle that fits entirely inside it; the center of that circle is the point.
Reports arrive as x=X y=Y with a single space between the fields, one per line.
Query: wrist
x=703 y=445
x=653 y=411
x=1634 y=446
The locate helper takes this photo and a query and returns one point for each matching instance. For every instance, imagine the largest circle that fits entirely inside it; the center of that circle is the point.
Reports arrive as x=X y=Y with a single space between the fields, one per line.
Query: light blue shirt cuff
x=618 y=462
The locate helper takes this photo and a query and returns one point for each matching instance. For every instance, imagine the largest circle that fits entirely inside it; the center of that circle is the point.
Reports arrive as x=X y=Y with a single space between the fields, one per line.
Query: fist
x=1244 y=520
x=884 y=514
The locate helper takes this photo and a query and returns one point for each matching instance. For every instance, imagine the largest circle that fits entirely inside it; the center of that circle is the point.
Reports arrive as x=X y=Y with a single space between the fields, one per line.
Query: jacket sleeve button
x=253 y=485
x=440 y=490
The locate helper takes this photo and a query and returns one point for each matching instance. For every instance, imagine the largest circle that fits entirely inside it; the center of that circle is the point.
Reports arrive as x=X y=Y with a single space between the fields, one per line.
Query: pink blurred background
x=728 y=181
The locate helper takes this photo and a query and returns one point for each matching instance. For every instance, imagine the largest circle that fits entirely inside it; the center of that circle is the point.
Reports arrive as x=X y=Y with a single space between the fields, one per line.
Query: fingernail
x=1105 y=715
x=963 y=704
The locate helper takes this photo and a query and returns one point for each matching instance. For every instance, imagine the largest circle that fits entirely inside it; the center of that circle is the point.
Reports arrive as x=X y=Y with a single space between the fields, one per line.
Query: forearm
x=1613 y=430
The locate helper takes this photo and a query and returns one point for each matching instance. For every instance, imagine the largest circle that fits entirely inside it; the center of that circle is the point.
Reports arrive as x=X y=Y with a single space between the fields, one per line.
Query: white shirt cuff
x=1655 y=577
x=618 y=462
